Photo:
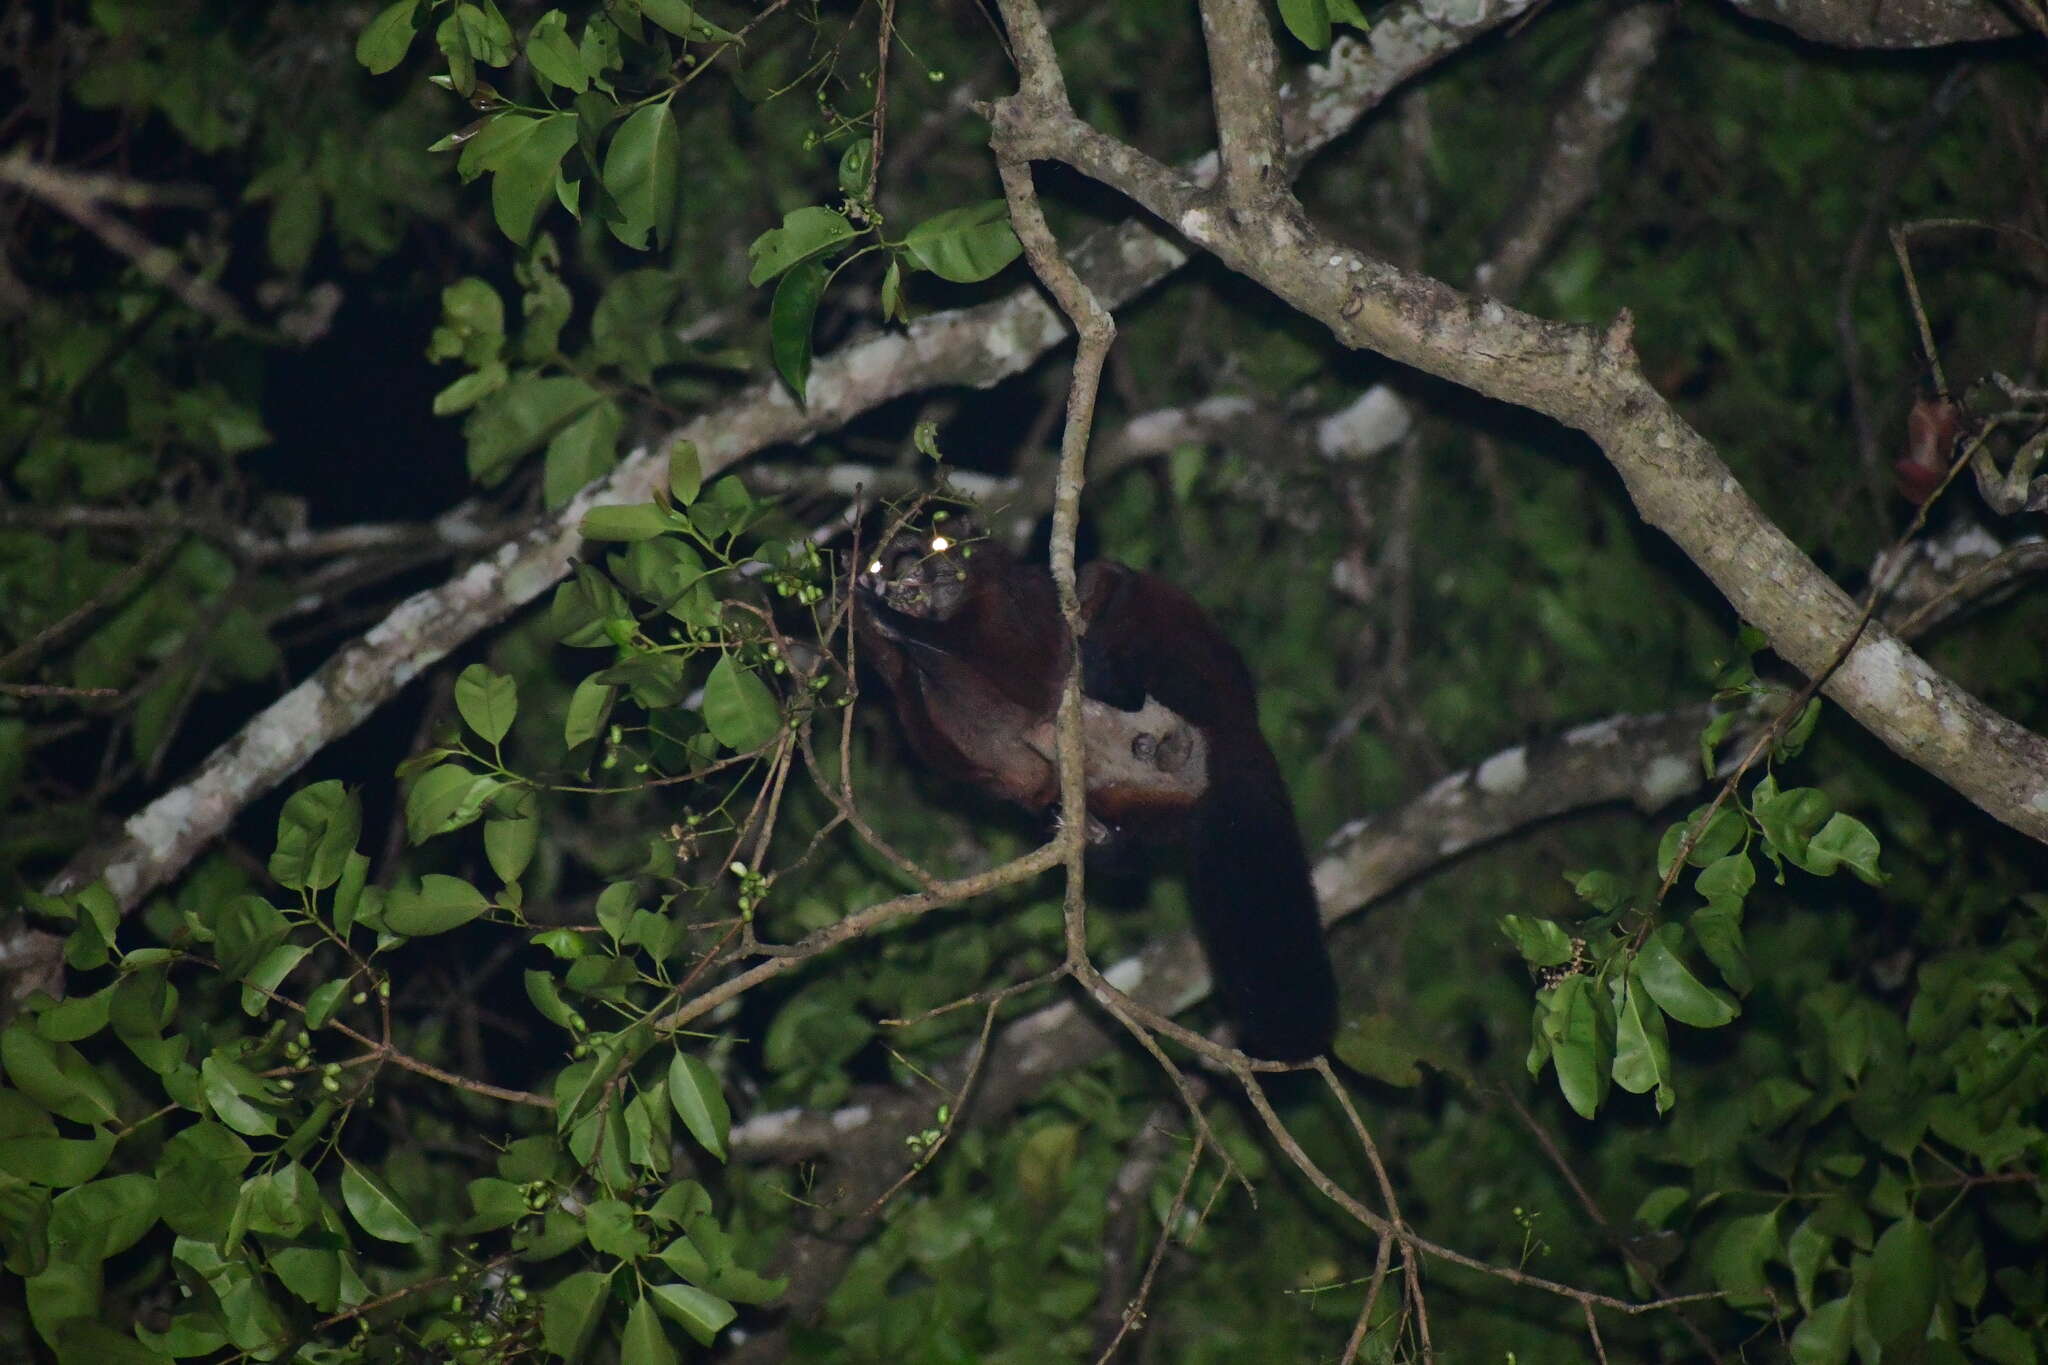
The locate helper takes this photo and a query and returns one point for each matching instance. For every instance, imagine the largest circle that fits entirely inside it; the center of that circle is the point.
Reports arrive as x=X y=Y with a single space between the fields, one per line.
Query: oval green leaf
x=316 y=832
x=739 y=709
x=700 y=1102
x=1898 y=1293
x=965 y=244
x=488 y=701
x=1672 y=985
x=789 y=323
x=385 y=40
x=374 y=1208
x=1308 y=21
x=804 y=233
x=553 y=55
x=642 y=172
x=702 y=1315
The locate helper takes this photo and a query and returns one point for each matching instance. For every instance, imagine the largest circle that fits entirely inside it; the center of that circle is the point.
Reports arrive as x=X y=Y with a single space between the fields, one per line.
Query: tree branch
x=1591 y=381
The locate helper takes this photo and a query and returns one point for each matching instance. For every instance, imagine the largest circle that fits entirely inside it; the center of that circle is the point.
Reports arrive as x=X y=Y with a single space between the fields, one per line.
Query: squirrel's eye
x=875 y=566
x=940 y=545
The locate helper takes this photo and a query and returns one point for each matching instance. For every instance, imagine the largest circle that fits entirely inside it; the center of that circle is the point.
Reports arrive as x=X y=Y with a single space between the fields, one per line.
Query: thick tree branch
x=1892 y=23
x=1242 y=63
x=1591 y=381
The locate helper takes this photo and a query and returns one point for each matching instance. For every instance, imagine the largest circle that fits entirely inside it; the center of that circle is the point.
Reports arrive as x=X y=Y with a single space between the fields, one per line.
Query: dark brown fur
x=974 y=651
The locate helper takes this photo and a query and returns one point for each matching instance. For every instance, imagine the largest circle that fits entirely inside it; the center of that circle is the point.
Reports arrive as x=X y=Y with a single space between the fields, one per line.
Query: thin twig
x=1135 y=1311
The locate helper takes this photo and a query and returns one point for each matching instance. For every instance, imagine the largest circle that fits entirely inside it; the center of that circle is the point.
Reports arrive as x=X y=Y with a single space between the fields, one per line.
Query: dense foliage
x=313 y=305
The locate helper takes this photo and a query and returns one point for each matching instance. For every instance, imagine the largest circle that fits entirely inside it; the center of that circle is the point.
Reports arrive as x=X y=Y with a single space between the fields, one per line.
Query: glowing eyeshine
x=874 y=566
x=940 y=545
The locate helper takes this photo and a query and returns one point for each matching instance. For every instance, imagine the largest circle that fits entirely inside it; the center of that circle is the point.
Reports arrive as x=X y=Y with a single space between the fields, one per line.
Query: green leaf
x=1805 y=1250
x=1642 y=1047
x=615 y=907
x=672 y=575
x=1720 y=837
x=585 y=608
x=1739 y=1253
x=681 y=19
x=804 y=233
x=1672 y=985
x=1844 y=841
x=103 y=1218
x=627 y=521
x=1824 y=1336
x=1898 y=1291
x=2001 y=1341
x=581 y=453
x=312 y=1274
x=685 y=473
x=589 y=709
x=100 y=915
x=316 y=833
x=509 y=845
x=198 y=1174
x=1308 y=21
x=231 y=1089
x=295 y=224
x=455 y=47
x=853 y=166
x=570 y=1312
x=1542 y=942
x=445 y=797
x=348 y=892
x=385 y=39
x=244 y=931
x=500 y=139
x=1718 y=927
x=525 y=177
x=440 y=903
x=374 y=1208
x=1798 y=732
x=546 y=997
x=1603 y=891
x=498 y=1203
x=739 y=708
x=609 y=1225
x=1579 y=1047
x=488 y=701
x=630 y=327
x=80 y=1016
x=519 y=419
x=54 y=1161
x=323 y=1000
x=642 y=173
x=702 y=1315
x=269 y=974
x=1733 y=876
x=965 y=244
x=1789 y=818
x=790 y=318
x=892 y=291
x=644 y=1342
x=553 y=55
x=700 y=1102
x=55 y=1075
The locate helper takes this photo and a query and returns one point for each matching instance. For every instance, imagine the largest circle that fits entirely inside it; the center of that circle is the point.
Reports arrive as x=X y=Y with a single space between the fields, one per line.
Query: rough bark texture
x=1888 y=23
